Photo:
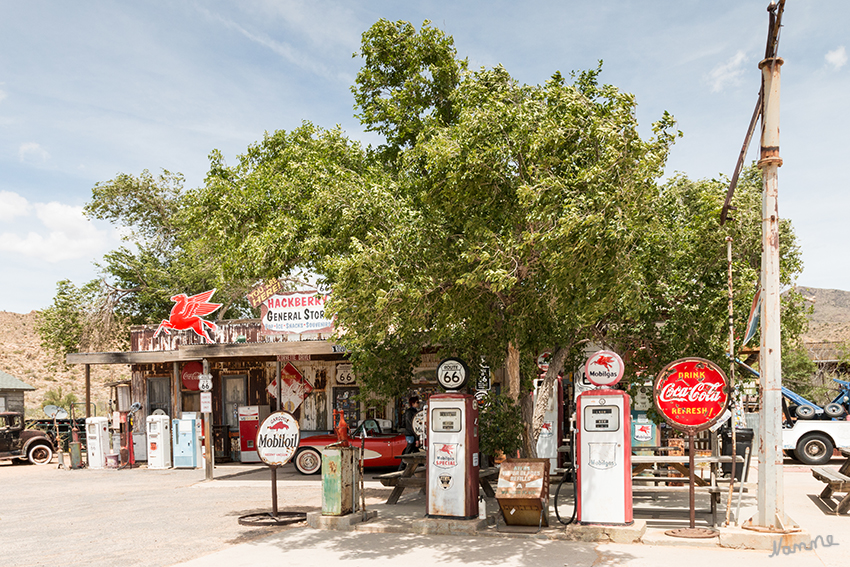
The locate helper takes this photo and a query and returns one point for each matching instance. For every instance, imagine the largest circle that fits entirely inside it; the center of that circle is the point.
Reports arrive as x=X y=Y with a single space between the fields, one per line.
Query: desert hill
x=830 y=321
x=22 y=356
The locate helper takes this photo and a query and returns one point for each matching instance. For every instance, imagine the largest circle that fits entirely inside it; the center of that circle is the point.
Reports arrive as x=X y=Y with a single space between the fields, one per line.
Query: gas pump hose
x=557 y=492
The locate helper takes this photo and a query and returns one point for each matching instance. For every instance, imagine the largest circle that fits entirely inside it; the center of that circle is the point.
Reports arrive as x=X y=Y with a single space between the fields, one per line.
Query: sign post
x=205 y=385
x=691 y=394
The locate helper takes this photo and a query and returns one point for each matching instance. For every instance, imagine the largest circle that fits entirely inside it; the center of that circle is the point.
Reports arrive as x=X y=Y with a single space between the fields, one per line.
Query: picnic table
x=836 y=481
x=412 y=476
x=641 y=463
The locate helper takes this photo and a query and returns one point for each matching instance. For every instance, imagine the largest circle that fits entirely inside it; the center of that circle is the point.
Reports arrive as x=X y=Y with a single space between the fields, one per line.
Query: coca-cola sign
x=691 y=393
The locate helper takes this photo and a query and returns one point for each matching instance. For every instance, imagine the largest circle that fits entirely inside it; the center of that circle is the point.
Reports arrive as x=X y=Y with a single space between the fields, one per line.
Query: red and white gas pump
x=603 y=453
x=452 y=422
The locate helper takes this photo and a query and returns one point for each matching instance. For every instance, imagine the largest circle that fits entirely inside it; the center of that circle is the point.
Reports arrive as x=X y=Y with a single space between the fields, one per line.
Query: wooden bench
x=836 y=481
x=714 y=493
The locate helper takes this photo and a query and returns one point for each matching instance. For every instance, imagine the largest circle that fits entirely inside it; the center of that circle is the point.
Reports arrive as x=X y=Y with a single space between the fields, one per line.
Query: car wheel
x=814 y=449
x=40 y=454
x=805 y=412
x=308 y=461
x=834 y=410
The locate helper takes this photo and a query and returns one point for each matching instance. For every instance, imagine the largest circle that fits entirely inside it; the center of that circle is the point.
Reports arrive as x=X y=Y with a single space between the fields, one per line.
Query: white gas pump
x=97 y=441
x=452 y=424
x=159 y=442
x=603 y=455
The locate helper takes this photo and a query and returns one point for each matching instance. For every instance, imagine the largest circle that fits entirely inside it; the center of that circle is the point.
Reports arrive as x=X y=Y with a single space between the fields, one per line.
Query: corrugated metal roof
x=9 y=382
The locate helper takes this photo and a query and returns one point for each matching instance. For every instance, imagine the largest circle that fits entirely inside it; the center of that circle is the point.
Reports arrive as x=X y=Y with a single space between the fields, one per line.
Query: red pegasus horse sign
x=188 y=313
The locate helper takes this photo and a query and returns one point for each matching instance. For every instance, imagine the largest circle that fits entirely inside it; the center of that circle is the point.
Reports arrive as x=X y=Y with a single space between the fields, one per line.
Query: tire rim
x=815 y=449
x=308 y=461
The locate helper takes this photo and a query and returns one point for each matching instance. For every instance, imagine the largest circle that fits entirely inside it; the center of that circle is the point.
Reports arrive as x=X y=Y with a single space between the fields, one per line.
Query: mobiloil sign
x=277 y=438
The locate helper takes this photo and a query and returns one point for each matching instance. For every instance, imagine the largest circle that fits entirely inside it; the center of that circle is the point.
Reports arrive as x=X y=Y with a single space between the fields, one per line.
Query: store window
x=159 y=395
x=235 y=395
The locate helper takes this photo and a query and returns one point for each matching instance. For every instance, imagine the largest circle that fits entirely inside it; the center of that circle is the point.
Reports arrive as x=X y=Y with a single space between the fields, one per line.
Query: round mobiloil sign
x=277 y=438
x=605 y=368
x=691 y=393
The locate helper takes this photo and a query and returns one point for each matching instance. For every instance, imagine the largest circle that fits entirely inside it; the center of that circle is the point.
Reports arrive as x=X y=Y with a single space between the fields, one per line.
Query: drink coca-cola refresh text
x=691 y=393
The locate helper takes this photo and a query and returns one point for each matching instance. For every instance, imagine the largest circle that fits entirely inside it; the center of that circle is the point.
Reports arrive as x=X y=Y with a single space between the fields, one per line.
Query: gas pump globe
x=603 y=445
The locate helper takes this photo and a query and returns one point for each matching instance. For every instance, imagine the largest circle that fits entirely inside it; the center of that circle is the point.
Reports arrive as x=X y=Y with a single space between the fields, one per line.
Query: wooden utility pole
x=209 y=454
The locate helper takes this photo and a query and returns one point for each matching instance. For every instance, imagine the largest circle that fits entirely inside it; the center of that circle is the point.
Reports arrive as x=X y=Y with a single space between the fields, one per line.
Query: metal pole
x=692 y=479
x=208 y=454
x=731 y=377
x=274 y=490
x=88 y=390
x=771 y=506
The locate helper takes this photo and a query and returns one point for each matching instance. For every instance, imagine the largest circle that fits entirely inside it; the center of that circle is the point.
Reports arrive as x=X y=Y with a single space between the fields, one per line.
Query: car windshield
x=370 y=426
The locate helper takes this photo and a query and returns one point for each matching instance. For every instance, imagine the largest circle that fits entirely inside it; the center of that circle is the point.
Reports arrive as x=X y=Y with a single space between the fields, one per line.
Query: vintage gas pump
x=452 y=423
x=97 y=441
x=552 y=432
x=603 y=452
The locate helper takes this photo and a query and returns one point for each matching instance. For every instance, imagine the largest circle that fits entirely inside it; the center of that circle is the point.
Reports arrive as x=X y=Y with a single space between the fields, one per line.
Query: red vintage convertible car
x=380 y=449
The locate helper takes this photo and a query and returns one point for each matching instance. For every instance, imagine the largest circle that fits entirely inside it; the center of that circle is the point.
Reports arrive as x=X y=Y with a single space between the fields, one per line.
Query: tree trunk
x=529 y=445
x=512 y=367
x=545 y=391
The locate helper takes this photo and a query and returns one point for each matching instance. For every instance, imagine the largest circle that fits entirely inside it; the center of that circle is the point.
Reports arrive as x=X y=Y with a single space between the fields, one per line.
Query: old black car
x=19 y=443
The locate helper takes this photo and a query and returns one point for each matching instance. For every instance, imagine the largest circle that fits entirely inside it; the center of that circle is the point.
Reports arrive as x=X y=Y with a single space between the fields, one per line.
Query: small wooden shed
x=12 y=393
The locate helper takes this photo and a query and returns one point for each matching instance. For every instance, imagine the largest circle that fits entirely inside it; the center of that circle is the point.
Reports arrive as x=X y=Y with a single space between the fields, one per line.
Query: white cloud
x=65 y=234
x=727 y=73
x=31 y=152
x=837 y=57
x=2 y=95
x=12 y=205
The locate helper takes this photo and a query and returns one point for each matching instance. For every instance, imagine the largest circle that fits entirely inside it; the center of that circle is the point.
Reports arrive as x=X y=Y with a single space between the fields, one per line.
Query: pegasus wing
x=198 y=305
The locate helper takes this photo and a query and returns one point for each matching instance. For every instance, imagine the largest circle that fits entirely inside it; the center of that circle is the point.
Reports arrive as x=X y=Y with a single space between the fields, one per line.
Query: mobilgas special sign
x=277 y=438
x=296 y=312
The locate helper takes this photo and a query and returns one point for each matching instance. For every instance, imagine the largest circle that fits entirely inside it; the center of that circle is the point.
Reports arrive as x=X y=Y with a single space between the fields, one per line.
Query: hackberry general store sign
x=296 y=312
x=691 y=393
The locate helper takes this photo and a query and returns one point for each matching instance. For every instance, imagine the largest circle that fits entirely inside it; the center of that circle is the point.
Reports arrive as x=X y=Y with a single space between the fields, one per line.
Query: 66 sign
x=691 y=393
x=452 y=373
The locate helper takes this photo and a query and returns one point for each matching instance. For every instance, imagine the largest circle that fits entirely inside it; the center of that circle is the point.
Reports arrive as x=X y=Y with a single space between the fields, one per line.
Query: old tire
x=805 y=412
x=814 y=449
x=834 y=410
x=308 y=461
x=40 y=454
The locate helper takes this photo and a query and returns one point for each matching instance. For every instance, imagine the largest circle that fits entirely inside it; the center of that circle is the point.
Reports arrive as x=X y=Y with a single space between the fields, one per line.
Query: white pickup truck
x=812 y=441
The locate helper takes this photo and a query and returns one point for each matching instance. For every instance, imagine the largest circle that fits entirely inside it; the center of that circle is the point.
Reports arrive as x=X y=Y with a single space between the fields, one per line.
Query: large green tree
x=683 y=287
x=161 y=256
x=498 y=219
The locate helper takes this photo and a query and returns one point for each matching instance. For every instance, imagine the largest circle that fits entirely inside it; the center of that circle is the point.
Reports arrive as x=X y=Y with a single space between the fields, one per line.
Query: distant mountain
x=22 y=356
x=830 y=320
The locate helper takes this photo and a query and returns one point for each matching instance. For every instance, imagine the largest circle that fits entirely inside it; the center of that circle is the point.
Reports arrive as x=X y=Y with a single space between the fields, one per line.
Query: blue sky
x=92 y=89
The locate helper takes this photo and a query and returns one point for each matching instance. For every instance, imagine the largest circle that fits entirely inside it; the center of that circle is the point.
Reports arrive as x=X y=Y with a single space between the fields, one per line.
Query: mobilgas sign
x=277 y=438
x=296 y=313
x=605 y=368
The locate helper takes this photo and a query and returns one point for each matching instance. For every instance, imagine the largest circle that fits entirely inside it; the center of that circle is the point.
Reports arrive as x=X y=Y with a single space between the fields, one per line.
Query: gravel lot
x=52 y=516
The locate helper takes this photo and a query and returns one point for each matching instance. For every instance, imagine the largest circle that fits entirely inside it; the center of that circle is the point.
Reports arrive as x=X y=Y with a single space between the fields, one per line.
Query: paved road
x=143 y=517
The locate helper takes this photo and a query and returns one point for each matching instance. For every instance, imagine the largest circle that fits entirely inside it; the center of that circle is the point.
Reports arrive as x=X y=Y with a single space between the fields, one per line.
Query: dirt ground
x=151 y=518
